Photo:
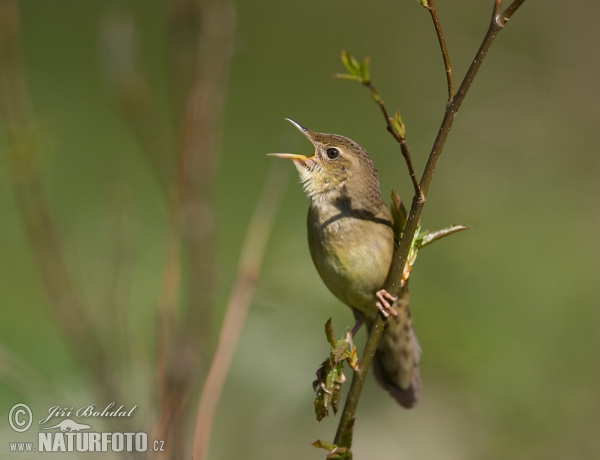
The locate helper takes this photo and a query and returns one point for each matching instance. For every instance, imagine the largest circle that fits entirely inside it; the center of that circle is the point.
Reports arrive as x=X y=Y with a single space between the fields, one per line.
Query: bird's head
x=339 y=167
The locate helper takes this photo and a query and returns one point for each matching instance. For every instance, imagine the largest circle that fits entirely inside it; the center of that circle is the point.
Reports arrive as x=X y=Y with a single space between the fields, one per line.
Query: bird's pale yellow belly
x=352 y=256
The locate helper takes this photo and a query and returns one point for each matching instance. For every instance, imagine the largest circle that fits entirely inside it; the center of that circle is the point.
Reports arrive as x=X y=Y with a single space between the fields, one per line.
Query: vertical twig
x=112 y=318
x=237 y=306
x=165 y=328
x=200 y=43
x=201 y=131
x=430 y=5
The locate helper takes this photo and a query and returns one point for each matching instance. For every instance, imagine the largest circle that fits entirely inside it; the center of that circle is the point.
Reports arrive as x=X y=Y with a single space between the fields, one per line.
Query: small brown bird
x=351 y=241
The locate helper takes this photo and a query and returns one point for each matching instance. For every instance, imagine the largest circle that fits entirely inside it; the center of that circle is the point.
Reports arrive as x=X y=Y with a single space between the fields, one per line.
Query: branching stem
x=399 y=138
x=393 y=282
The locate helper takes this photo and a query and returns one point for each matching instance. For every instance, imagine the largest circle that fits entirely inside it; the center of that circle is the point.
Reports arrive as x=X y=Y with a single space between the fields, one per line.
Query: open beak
x=292 y=156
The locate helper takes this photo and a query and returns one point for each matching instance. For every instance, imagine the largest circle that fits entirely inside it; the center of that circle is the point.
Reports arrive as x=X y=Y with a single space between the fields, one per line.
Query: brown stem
x=393 y=282
x=201 y=136
x=200 y=41
x=64 y=300
x=399 y=138
x=237 y=307
x=496 y=24
x=510 y=10
x=430 y=5
x=165 y=327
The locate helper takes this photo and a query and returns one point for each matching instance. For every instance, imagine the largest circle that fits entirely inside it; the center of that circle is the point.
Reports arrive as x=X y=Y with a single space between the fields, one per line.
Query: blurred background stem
x=64 y=299
x=251 y=258
x=199 y=36
x=200 y=45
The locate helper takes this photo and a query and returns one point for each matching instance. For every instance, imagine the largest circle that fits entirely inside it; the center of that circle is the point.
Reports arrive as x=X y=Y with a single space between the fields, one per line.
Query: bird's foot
x=383 y=303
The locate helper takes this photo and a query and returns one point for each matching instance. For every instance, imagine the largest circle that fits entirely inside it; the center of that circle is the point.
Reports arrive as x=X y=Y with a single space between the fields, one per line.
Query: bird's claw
x=383 y=304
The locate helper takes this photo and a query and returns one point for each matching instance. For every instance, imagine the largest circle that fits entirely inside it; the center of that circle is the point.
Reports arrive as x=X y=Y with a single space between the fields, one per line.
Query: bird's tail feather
x=396 y=362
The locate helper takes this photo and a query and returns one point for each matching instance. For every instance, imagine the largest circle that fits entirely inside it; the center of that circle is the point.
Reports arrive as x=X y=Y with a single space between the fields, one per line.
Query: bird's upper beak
x=292 y=156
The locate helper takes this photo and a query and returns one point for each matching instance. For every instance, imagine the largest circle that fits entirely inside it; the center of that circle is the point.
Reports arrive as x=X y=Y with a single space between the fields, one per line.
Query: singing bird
x=351 y=242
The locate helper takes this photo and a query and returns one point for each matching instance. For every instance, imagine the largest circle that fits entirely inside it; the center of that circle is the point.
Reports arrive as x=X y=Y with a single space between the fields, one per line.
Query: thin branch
x=454 y=106
x=511 y=9
x=399 y=138
x=358 y=379
x=497 y=8
x=393 y=282
x=430 y=5
x=237 y=306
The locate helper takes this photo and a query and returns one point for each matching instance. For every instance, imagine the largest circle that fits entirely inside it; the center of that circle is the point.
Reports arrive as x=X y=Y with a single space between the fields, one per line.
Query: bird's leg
x=383 y=305
x=360 y=319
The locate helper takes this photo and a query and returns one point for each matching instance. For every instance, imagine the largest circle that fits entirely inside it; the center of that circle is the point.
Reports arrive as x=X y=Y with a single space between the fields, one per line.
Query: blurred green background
x=507 y=313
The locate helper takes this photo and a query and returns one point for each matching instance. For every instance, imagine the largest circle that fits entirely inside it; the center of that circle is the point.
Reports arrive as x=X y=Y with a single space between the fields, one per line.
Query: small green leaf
x=335 y=452
x=339 y=352
x=323 y=388
x=330 y=374
x=330 y=378
x=352 y=353
x=355 y=64
x=365 y=70
x=337 y=391
x=398 y=125
x=324 y=445
x=430 y=237
x=425 y=3
x=346 y=60
x=321 y=407
x=424 y=238
x=345 y=76
x=415 y=245
x=399 y=215
x=351 y=64
x=398 y=118
x=329 y=333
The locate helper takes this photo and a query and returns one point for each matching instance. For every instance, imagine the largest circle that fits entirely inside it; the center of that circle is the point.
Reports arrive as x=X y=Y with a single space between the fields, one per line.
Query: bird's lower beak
x=292 y=156
x=289 y=156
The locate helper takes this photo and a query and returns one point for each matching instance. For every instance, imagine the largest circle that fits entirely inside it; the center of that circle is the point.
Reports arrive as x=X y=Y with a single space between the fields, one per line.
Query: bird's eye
x=332 y=153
